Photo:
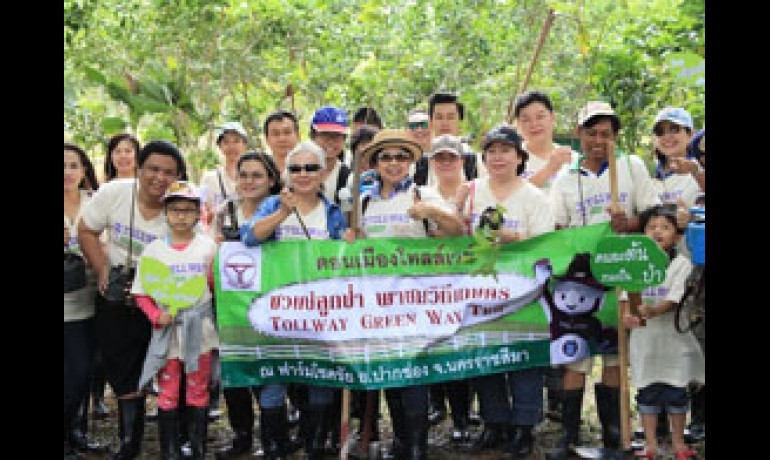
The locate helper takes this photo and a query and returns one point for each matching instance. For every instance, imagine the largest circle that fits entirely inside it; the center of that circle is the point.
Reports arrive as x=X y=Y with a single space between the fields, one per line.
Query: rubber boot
x=697 y=426
x=69 y=451
x=240 y=413
x=608 y=406
x=493 y=436
x=274 y=433
x=168 y=434
x=571 y=406
x=79 y=439
x=130 y=428
x=523 y=442
x=315 y=438
x=416 y=425
x=198 y=422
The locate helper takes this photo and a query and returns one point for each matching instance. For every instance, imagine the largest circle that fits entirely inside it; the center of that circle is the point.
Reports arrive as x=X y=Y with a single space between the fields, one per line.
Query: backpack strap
x=469 y=166
x=421 y=171
x=342 y=181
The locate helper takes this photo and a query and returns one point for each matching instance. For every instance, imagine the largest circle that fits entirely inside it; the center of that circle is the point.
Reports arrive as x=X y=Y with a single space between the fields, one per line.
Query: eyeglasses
x=185 y=212
x=400 y=157
x=246 y=175
x=309 y=168
x=662 y=130
x=417 y=124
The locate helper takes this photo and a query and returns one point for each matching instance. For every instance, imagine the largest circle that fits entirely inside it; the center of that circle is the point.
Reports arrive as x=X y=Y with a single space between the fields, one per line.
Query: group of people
x=419 y=181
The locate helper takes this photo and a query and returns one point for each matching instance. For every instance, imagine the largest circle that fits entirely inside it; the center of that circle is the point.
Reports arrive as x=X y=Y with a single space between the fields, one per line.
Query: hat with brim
x=182 y=189
x=579 y=271
x=390 y=138
x=595 y=109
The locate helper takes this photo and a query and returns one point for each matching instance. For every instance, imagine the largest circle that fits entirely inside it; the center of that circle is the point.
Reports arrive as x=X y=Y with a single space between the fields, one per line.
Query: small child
x=172 y=288
x=663 y=361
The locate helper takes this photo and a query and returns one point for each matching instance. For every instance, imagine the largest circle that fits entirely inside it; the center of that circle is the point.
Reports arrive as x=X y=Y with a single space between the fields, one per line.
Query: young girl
x=663 y=361
x=185 y=336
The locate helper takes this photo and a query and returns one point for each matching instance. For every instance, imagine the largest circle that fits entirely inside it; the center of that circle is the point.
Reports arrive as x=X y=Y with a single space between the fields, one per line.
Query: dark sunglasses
x=662 y=131
x=310 y=167
x=417 y=124
x=400 y=157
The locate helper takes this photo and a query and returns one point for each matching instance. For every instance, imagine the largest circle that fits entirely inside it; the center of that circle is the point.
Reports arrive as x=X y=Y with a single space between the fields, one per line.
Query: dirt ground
x=440 y=446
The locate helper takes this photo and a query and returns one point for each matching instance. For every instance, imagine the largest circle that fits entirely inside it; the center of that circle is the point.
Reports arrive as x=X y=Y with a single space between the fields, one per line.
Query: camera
x=231 y=234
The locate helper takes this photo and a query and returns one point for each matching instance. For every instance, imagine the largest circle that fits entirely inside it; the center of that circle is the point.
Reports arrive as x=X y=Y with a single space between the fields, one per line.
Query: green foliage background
x=176 y=69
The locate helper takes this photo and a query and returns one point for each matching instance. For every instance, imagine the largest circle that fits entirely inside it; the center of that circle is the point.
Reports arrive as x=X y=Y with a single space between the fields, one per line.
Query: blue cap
x=675 y=115
x=330 y=119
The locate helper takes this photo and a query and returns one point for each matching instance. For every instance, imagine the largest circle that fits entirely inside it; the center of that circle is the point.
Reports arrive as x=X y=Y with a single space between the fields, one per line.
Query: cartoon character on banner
x=570 y=307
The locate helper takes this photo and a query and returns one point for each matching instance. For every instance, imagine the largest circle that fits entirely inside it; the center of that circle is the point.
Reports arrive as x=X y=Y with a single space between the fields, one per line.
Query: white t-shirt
x=535 y=164
x=481 y=168
x=192 y=261
x=677 y=186
x=110 y=209
x=315 y=222
x=387 y=218
x=79 y=304
x=528 y=210
x=211 y=189
x=575 y=194
x=657 y=352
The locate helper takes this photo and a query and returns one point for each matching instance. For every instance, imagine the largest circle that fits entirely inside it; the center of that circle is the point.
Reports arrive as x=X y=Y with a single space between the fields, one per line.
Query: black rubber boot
x=523 y=442
x=274 y=433
x=130 y=428
x=493 y=436
x=240 y=413
x=315 y=438
x=697 y=425
x=69 y=451
x=79 y=439
x=198 y=422
x=168 y=434
x=608 y=406
x=416 y=425
x=571 y=406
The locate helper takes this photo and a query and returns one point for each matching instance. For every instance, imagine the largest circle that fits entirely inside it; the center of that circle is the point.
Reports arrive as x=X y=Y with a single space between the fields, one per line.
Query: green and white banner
x=385 y=313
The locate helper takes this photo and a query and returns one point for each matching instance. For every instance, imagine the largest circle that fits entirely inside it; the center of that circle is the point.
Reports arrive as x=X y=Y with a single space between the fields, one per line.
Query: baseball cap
x=234 y=126
x=501 y=133
x=182 y=189
x=330 y=119
x=676 y=115
x=445 y=143
x=594 y=109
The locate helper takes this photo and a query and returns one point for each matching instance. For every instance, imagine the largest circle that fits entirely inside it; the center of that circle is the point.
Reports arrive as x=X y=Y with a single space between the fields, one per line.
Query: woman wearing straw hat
x=396 y=207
